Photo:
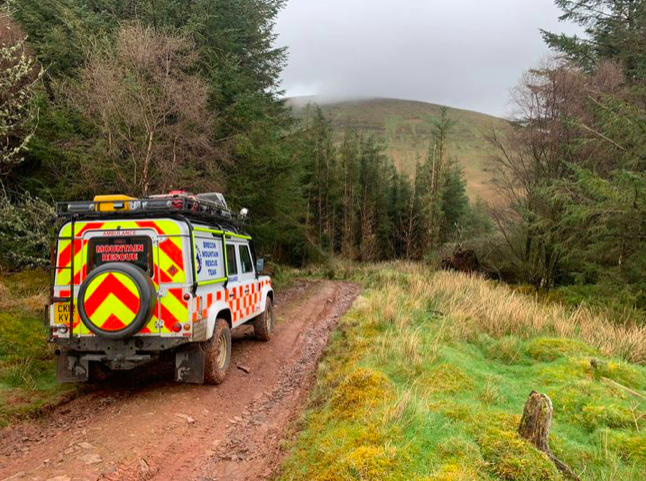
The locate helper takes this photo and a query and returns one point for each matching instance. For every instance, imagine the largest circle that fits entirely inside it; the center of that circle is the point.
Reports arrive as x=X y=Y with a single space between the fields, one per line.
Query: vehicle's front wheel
x=263 y=325
x=218 y=353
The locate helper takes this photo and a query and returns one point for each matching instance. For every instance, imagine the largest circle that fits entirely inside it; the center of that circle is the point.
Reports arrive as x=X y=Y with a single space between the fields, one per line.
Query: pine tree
x=349 y=161
x=615 y=30
x=436 y=164
x=455 y=203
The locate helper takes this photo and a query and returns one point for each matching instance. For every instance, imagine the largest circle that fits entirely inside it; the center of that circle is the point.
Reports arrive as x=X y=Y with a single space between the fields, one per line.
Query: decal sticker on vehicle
x=208 y=259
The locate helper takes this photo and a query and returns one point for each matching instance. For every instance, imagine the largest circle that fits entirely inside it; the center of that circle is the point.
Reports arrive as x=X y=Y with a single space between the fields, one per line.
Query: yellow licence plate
x=62 y=313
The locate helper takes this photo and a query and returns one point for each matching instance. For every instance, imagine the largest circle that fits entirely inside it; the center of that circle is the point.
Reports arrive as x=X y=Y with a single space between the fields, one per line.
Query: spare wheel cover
x=117 y=300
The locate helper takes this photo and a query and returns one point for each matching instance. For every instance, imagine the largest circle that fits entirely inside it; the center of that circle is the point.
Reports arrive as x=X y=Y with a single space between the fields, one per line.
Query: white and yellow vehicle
x=135 y=278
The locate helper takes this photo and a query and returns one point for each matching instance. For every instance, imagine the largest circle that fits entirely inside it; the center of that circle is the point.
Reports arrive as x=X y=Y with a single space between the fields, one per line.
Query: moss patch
x=361 y=391
x=366 y=463
x=512 y=458
x=550 y=349
x=447 y=379
x=623 y=373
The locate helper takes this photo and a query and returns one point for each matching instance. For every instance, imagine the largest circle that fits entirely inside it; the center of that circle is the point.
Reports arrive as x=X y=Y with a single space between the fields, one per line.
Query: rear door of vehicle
x=98 y=242
x=137 y=246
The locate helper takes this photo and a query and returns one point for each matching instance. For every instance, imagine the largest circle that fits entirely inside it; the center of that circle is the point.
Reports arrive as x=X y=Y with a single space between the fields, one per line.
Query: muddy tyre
x=263 y=325
x=218 y=353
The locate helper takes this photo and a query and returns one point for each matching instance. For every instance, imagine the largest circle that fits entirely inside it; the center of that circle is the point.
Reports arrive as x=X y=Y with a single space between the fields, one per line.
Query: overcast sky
x=461 y=53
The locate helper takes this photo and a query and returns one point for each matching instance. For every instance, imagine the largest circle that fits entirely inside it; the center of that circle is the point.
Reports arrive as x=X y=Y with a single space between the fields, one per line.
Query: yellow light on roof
x=112 y=203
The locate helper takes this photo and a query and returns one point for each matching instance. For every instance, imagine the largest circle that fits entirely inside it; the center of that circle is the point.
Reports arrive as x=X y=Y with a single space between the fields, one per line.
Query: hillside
x=406 y=127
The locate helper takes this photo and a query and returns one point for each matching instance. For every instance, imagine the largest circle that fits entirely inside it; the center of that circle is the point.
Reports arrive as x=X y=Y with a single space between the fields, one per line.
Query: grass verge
x=26 y=360
x=426 y=378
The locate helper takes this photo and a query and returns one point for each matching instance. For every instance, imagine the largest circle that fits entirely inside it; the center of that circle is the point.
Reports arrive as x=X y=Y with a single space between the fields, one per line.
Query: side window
x=232 y=263
x=245 y=260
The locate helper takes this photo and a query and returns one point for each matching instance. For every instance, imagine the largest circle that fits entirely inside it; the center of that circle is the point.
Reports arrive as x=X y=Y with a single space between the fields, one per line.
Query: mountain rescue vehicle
x=133 y=279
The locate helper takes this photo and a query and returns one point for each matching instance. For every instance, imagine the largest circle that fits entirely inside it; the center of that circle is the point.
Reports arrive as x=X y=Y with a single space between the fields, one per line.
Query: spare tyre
x=117 y=300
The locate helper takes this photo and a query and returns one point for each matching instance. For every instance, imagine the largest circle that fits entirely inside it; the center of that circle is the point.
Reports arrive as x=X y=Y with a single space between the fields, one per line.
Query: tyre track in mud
x=145 y=427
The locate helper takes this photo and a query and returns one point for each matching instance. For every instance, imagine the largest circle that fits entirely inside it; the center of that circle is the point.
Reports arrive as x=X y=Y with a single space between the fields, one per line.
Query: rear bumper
x=120 y=355
x=121 y=346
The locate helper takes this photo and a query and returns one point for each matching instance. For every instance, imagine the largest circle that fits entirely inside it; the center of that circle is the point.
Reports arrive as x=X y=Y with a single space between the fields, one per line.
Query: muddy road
x=143 y=426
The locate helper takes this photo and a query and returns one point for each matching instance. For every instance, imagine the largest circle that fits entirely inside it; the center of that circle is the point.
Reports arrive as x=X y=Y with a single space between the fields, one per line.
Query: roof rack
x=208 y=208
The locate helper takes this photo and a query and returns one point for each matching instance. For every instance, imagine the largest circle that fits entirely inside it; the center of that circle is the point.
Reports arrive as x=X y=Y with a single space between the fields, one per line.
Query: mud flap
x=189 y=365
x=70 y=368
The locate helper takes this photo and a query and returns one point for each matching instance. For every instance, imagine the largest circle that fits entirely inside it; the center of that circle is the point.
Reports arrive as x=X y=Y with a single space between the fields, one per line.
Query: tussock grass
x=499 y=311
x=26 y=360
x=427 y=375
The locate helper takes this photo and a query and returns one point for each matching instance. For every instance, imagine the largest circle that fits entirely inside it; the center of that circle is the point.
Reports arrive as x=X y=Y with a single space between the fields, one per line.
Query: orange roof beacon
x=135 y=278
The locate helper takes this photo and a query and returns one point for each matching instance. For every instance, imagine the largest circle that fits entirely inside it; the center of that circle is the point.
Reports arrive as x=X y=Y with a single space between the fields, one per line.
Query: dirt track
x=145 y=427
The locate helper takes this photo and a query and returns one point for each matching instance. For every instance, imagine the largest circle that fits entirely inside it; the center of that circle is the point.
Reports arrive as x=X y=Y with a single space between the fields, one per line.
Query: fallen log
x=597 y=364
x=535 y=427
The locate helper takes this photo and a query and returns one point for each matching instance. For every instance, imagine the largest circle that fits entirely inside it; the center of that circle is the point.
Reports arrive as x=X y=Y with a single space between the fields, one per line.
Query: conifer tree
x=615 y=29
x=349 y=162
x=455 y=203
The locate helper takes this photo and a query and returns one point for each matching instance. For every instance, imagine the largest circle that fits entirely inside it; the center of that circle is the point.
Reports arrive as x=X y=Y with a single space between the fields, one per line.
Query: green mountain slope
x=406 y=127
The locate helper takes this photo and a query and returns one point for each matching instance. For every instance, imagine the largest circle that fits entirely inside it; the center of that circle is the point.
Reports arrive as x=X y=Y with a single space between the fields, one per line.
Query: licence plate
x=62 y=313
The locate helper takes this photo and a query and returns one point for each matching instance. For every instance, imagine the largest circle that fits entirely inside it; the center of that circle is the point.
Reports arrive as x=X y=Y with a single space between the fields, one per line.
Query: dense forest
x=145 y=96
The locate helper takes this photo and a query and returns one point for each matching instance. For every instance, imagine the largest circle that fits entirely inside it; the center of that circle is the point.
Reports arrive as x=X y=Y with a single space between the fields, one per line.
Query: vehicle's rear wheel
x=263 y=325
x=218 y=353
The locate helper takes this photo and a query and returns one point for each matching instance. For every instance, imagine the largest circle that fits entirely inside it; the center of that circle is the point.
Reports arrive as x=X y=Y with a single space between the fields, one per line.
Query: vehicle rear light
x=177 y=327
x=187 y=327
x=187 y=297
x=62 y=329
x=55 y=328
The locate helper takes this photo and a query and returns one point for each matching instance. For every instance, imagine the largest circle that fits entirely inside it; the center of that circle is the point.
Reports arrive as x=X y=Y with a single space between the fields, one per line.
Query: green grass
x=426 y=378
x=27 y=367
x=406 y=127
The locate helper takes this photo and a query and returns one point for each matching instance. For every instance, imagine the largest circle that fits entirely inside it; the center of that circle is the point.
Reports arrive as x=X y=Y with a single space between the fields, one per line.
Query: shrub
x=25 y=230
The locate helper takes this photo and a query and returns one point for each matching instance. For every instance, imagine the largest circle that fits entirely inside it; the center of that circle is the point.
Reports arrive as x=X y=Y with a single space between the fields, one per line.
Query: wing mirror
x=260 y=265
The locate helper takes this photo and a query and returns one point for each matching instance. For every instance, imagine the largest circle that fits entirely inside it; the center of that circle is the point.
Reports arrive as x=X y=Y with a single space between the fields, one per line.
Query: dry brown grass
x=473 y=305
x=4 y=296
x=476 y=305
x=30 y=302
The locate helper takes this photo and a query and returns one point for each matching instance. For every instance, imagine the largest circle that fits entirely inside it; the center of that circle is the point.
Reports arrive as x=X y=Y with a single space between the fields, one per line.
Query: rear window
x=135 y=250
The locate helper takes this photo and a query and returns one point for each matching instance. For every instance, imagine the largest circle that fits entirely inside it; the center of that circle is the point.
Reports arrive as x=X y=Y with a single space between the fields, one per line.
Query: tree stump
x=535 y=427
